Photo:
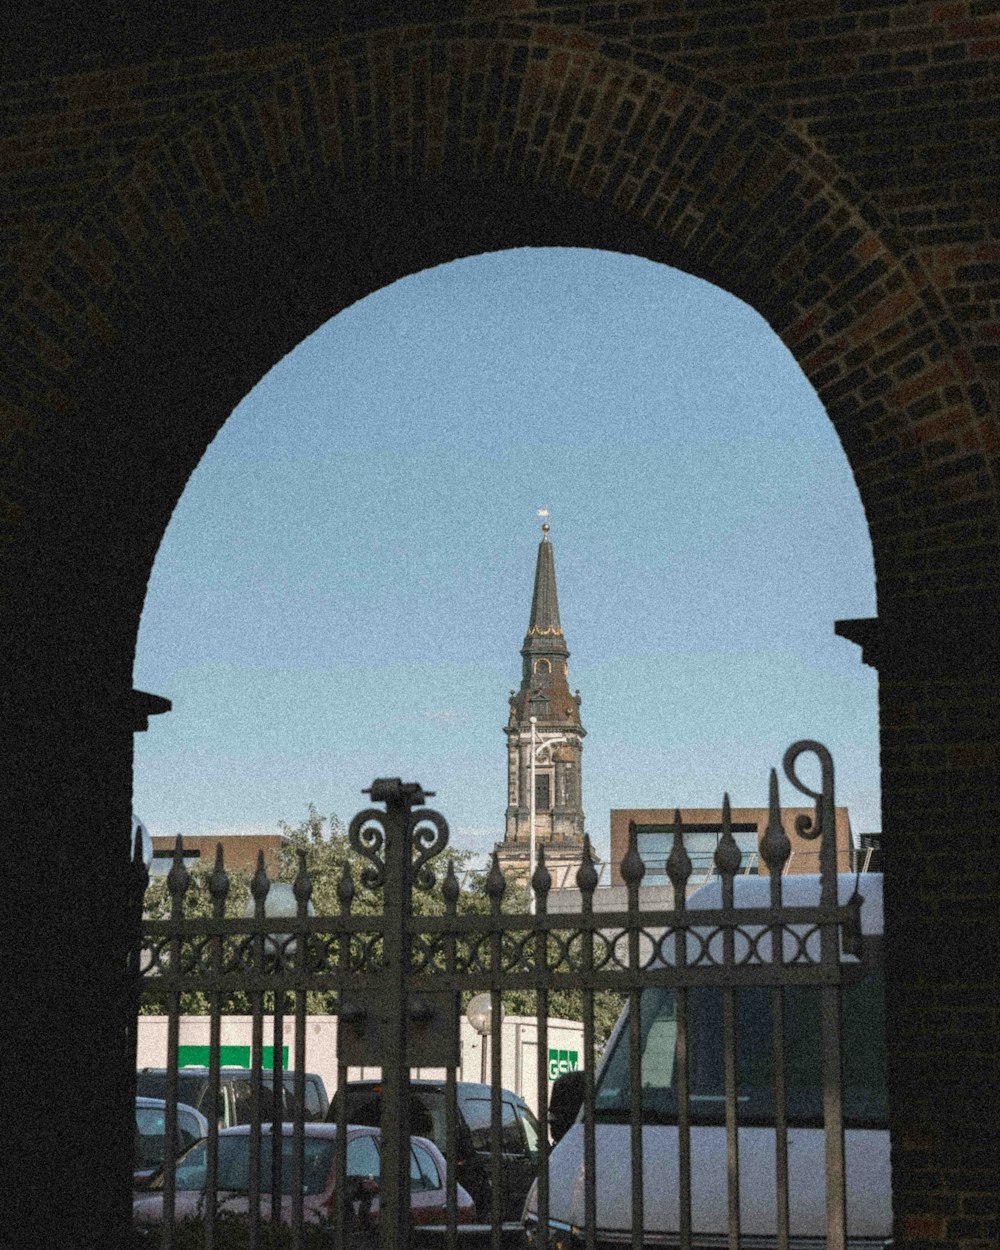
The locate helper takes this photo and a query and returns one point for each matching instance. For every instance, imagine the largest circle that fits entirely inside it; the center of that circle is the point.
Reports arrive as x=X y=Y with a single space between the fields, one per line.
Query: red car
x=427 y=1176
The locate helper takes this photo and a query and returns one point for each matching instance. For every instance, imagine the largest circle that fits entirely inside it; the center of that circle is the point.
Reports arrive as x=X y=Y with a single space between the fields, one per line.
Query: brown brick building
x=188 y=191
x=239 y=851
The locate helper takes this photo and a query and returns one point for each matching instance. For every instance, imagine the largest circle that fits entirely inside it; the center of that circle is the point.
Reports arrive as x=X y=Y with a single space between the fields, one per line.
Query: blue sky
x=344 y=587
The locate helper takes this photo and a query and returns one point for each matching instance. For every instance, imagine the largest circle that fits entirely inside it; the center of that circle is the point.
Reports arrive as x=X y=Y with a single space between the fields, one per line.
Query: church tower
x=558 y=737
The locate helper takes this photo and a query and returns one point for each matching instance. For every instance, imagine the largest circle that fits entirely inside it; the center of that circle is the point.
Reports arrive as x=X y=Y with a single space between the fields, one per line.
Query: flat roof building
x=239 y=851
x=702 y=827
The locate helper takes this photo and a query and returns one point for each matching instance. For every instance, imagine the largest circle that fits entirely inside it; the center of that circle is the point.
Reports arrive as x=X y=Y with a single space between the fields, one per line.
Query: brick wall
x=901 y=95
x=186 y=195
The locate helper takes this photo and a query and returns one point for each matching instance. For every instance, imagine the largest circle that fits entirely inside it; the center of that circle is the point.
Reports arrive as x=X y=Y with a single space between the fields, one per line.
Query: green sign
x=229 y=1057
x=561 y=1061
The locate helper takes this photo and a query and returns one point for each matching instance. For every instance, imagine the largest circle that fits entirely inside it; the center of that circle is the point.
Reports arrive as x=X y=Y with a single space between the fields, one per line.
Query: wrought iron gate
x=400 y=977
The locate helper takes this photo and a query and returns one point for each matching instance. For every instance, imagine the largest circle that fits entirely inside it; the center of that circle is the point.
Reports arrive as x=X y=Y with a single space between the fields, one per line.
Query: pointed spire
x=544 y=691
x=345 y=889
x=586 y=874
x=302 y=885
x=178 y=879
x=259 y=885
x=678 y=863
x=496 y=883
x=450 y=889
x=775 y=846
x=727 y=853
x=632 y=867
x=218 y=882
x=541 y=880
x=544 y=620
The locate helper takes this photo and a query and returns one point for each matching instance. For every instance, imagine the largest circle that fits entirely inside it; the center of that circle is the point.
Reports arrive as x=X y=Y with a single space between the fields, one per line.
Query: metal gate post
x=822 y=826
x=394 y=1186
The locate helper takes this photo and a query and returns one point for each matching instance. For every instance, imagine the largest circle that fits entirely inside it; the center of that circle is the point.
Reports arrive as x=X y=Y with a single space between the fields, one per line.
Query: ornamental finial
x=544 y=512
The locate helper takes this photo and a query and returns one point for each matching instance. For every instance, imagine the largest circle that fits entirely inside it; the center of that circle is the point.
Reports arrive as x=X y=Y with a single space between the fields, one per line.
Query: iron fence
x=399 y=979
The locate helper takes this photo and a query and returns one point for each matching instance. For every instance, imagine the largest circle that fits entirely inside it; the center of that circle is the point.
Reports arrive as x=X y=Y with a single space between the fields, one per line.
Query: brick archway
x=342 y=166
x=483 y=143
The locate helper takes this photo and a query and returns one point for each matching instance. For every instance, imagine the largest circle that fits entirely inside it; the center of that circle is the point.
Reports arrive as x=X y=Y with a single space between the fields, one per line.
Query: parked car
x=869 y=1190
x=518 y=1135
x=234 y=1093
x=428 y=1194
x=151 y=1134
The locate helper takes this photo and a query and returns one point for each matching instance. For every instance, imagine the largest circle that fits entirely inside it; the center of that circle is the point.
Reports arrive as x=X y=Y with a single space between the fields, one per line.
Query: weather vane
x=544 y=512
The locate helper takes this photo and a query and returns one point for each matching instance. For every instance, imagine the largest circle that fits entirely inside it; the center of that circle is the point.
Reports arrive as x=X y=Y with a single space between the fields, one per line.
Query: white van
x=869 y=1214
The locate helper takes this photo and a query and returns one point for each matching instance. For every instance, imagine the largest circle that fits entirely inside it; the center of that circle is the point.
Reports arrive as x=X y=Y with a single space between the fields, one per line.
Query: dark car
x=518 y=1135
x=234 y=1093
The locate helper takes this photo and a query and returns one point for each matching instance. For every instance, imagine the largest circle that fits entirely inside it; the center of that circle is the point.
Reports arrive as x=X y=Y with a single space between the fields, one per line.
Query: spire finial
x=544 y=512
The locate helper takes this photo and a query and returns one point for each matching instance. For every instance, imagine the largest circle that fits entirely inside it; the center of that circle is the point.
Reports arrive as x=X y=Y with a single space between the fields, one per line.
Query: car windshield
x=864 y=1057
x=234 y=1164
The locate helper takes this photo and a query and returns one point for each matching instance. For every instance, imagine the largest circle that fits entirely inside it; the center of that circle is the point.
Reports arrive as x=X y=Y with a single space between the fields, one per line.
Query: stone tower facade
x=558 y=737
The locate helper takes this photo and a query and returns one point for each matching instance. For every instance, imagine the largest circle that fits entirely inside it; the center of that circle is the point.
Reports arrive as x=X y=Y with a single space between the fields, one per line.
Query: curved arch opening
x=344 y=586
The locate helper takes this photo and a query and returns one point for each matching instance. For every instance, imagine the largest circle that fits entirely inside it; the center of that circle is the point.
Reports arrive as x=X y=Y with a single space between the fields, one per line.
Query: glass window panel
x=477 y=1115
x=427 y=1171
x=427 y=1116
x=864 y=1050
x=188 y=1128
x=363 y=1158
x=529 y=1126
x=510 y=1130
x=191 y=1168
x=313 y=1106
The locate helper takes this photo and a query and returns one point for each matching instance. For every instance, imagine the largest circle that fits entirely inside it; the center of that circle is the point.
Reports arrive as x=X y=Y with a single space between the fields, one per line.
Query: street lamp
x=536 y=752
x=479 y=1014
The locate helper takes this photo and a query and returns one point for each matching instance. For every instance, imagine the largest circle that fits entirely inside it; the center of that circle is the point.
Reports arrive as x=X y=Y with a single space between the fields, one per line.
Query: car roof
x=193 y=1070
x=142 y=1103
x=160 y=1104
x=312 y=1128
x=464 y=1087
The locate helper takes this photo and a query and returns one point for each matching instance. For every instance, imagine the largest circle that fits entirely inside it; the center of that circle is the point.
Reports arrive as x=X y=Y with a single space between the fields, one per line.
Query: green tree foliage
x=323 y=845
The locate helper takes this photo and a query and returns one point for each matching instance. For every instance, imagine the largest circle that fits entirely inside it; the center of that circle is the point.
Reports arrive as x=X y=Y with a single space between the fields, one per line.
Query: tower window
x=543 y=666
x=543 y=798
x=539 y=704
